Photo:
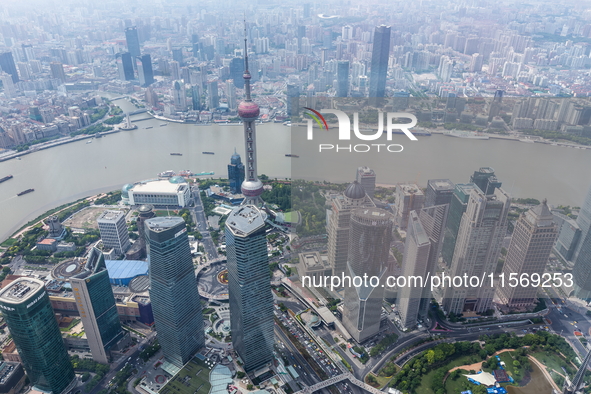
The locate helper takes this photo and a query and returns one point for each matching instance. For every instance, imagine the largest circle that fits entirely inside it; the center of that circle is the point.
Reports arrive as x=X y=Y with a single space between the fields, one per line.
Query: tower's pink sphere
x=248 y=110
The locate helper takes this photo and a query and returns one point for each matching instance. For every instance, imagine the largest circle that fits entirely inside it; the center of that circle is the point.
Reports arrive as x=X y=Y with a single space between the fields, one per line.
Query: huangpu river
x=68 y=172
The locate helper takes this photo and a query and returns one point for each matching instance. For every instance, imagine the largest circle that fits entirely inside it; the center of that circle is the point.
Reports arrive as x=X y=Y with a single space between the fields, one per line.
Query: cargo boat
x=167 y=174
x=208 y=153
x=7 y=177
x=25 y=192
x=466 y=134
x=290 y=155
x=176 y=154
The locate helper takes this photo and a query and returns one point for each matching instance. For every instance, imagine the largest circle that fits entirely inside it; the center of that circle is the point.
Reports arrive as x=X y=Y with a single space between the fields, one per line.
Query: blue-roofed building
x=121 y=272
x=219 y=378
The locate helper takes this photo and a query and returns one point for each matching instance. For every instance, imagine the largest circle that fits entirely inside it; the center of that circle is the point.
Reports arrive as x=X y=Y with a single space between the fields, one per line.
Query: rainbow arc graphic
x=317 y=117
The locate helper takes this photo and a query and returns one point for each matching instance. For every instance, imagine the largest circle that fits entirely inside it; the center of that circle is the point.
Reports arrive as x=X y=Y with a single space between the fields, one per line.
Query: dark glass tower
x=133 y=41
x=177 y=54
x=7 y=65
x=125 y=66
x=236 y=72
x=96 y=305
x=379 y=61
x=235 y=172
x=251 y=301
x=486 y=180
x=369 y=249
x=342 y=78
x=582 y=253
x=27 y=311
x=457 y=207
x=439 y=192
x=145 y=72
x=173 y=290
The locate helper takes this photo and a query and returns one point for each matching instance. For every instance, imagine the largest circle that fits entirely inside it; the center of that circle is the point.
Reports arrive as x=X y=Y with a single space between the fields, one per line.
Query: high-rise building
x=235 y=172
x=237 y=71
x=133 y=41
x=409 y=197
x=177 y=55
x=249 y=111
x=113 y=230
x=175 y=70
x=457 y=207
x=56 y=230
x=96 y=305
x=145 y=71
x=196 y=98
x=30 y=319
x=7 y=65
x=231 y=95
x=424 y=239
x=293 y=95
x=338 y=224
x=486 y=180
x=213 y=97
x=533 y=236
x=439 y=192
x=57 y=71
x=342 y=79
x=367 y=179
x=369 y=250
x=251 y=301
x=173 y=291
x=482 y=229
x=414 y=263
x=8 y=85
x=582 y=253
x=379 y=62
x=125 y=66
x=179 y=96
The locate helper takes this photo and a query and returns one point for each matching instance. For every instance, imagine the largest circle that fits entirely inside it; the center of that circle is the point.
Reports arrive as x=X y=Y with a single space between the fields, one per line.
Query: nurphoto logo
x=344 y=125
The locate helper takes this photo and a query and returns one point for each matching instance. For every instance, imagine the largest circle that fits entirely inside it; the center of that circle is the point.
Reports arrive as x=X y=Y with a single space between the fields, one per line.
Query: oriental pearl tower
x=252 y=187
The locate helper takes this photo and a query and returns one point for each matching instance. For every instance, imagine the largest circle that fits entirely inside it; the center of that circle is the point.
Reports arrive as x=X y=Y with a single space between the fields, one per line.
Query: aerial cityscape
x=295 y=197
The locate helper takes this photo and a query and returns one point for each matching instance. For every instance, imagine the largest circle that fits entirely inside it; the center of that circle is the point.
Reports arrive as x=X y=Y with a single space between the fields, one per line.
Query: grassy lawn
x=554 y=361
x=192 y=379
x=425 y=387
x=459 y=384
x=9 y=242
x=508 y=359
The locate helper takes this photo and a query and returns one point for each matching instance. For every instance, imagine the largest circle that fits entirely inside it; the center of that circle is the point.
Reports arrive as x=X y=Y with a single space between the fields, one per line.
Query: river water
x=71 y=171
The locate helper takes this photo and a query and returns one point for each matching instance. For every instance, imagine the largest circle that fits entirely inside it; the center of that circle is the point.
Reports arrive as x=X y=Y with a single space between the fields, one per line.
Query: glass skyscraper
x=96 y=305
x=7 y=65
x=133 y=41
x=457 y=207
x=235 y=172
x=342 y=78
x=173 y=290
x=30 y=319
x=379 y=61
x=251 y=301
x=125 y=66
x=582 y=253
x=369 y=249
x=145 y=72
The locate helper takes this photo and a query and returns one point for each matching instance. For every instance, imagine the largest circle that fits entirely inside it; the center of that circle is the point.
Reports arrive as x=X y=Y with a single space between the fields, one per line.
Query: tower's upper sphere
x=248 y=110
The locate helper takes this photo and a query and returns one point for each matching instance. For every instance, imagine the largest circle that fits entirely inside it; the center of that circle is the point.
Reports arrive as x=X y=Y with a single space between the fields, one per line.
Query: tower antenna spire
x=246 y=75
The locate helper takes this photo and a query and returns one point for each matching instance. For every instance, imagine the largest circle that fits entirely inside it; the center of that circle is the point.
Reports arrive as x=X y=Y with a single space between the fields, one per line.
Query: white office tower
x=113 y=230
